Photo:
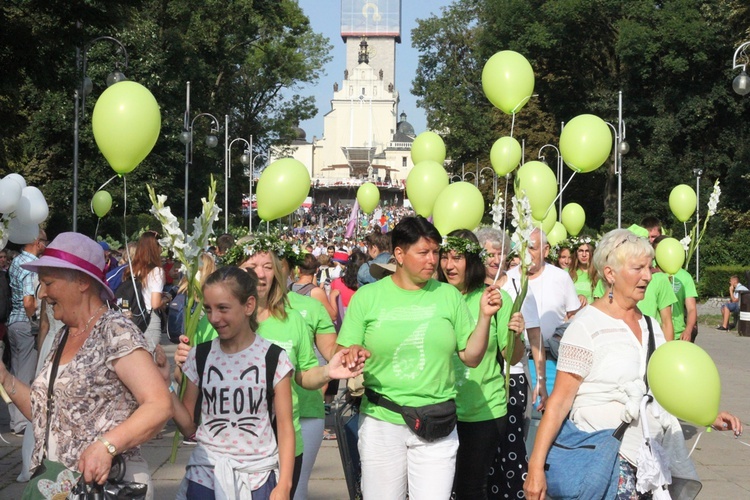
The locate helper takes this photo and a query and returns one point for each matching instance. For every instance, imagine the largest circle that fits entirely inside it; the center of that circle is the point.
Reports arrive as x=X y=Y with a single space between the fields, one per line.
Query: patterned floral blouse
x=89 y=397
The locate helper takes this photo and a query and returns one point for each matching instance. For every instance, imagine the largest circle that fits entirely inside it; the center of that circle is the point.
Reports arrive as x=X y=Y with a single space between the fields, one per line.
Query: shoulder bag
x=586 y=464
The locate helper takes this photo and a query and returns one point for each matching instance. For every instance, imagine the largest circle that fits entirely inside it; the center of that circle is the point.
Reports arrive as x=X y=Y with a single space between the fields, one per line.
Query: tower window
x=403 y=161
x=363 y=91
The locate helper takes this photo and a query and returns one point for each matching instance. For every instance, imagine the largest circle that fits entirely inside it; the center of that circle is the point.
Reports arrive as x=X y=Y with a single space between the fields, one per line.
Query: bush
x=715 y=280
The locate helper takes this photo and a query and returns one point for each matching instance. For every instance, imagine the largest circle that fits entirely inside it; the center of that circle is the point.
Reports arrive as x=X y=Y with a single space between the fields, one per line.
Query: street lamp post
x=252 y=174
x=621 y=148
x=186 y=137
x=493 y=175
x=244 y=159
x=741 y=83
x=560 y=172
x=698 y=172
x=84 y=88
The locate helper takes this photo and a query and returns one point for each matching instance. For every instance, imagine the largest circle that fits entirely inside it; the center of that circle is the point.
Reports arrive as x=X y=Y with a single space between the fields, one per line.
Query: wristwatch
x=111 y=449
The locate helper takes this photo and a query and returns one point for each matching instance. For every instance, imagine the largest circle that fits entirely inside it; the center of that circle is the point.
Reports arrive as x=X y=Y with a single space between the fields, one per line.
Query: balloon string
x=512 y=123
x=91 y=204
x=721 y=433
x=685 y=224
x=558 y=196
x=505 y=219
x=96 y=231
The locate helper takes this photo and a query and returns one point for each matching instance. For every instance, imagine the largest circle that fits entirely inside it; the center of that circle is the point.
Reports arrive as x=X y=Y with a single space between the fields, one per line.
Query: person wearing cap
x=110 y=262
x=100 y=360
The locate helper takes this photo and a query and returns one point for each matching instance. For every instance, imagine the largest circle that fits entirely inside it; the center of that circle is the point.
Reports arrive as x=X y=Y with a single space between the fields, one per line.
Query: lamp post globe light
x=186 y=137
x=741 y=83
x=252 y=179
x=85 y=87
x=244 y=160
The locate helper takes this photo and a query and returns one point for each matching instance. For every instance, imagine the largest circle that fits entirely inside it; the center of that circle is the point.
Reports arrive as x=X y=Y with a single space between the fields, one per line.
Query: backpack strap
x=272 y=361
x=201 y=355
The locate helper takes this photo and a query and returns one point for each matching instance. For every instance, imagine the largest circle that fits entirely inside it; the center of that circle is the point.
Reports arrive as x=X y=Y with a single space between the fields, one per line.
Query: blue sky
x=325 y=18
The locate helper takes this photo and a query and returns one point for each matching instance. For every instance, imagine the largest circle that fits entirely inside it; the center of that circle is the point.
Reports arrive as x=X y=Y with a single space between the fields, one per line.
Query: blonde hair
x=276 y=300
x=619 y=246
x=208 y=266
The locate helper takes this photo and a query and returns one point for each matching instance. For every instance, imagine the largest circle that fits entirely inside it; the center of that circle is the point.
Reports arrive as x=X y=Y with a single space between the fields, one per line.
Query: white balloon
x=18 y=178
x=10 y=194
x=21 y=233
x=32 y=207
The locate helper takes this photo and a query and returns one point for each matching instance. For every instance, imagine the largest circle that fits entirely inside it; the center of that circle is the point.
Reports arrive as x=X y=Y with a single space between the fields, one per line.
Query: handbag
x=51 y=478
x=430 y=422
x=586 y=464
x=113 y=489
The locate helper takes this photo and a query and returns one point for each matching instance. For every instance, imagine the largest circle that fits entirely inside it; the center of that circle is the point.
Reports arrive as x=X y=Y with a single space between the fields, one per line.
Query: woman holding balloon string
x=601 y=368
x=480 y=400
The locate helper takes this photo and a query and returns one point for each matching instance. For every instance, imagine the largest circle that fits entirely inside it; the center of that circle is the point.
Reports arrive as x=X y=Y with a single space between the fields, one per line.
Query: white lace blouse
x=605 y=353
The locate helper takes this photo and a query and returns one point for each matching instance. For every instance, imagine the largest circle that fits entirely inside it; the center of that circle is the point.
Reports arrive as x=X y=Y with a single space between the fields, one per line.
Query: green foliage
x=242 y=58
x=670 y=59
x=715 y=280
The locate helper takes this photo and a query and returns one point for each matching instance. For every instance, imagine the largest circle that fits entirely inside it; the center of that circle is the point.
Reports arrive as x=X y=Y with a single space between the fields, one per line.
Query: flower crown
x=461 y=245
x=577 y=241
x=262 y=243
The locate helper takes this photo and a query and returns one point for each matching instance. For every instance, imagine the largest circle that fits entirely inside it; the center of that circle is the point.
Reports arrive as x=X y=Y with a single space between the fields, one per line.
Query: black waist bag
x=430 y=422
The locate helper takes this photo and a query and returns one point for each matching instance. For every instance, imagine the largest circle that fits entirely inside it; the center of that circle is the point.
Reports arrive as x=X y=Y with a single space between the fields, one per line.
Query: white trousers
x=393 y=457
x=312 y=437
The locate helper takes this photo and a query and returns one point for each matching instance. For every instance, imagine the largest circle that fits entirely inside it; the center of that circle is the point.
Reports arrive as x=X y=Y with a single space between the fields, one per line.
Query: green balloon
x=368 y=196
x=548 y=223
x=540 y=186
x=282 y=188
x=683 y=202
x=423 y=185
x=505 y=155
x=670 y=255
x=573 y=218
x=685 y=381
x=428 y=146
x=557 y=234
x=508 y=81
x=459 y=206
x=585 y=143
x=101 y=203
x=126 y=124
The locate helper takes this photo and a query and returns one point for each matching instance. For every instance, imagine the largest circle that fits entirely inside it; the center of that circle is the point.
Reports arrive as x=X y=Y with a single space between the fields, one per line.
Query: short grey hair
x=495 y=237
x=617 y=247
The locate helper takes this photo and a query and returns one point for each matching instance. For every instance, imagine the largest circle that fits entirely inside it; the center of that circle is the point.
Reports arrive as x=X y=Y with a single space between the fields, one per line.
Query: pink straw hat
x=78 y=252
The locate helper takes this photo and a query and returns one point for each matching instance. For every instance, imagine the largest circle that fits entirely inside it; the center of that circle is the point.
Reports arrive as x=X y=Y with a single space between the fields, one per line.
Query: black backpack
x=129 y=296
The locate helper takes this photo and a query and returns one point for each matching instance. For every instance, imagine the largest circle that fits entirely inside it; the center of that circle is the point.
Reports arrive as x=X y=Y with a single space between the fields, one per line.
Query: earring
x=610 y=296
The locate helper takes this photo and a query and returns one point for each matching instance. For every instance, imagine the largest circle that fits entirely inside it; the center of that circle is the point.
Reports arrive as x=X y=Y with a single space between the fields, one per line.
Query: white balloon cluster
x=23 y=208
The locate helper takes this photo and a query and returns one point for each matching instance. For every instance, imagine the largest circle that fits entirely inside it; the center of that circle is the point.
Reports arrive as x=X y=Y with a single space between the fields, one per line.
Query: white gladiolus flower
x=713 y=200
x=685 y=242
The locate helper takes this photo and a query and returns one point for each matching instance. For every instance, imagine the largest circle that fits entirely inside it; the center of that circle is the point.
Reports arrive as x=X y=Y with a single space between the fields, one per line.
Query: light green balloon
x=508 y=81
x=423 y=185
x=282 y=188
x=101 y=203
x=573 y=218
x=459 y=206
x=368 y=196
x=538 y=182
x=548 y=223
x=670 y=255
x=585 y=143
x=557 y=234
x=685 y=381
x=428 y=146
x=505 y=155
x=683 y=202
x=126 y=124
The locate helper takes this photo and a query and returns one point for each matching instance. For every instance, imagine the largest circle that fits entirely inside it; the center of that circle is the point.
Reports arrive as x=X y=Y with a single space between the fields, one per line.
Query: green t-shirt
x=204 y=331
x=411 y=335
x=583 y=285
x=659 y=295
x=318 y=322
x=684 y=287
x=481 y=390
x=291 y=335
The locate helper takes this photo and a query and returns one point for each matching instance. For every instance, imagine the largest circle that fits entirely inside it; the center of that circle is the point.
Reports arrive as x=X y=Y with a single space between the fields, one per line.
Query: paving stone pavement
x=722 y=461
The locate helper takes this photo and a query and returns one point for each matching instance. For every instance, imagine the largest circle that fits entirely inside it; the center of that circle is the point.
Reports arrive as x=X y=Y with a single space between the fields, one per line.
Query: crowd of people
x=427 y=323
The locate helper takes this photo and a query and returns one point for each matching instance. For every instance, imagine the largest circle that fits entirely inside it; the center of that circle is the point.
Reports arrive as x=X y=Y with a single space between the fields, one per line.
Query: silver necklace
x=81 y=332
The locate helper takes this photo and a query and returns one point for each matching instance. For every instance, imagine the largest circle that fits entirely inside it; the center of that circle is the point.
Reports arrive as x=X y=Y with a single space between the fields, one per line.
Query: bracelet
x=539 y=377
